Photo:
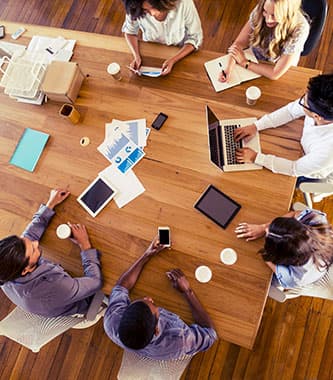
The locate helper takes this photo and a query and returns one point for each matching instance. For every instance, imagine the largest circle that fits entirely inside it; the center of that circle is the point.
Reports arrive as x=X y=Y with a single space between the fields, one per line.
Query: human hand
x=154 y=248
x=250 y=231
x=167 y=66
x=57 y=196
x=237 y=54
x=246 y=132
x=136 y=63
x=178 y=279
x=245 y=155
x=80 y=236
x=225 y=74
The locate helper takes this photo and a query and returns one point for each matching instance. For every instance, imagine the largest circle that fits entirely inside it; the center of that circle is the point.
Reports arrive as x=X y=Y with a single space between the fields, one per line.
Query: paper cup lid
x=63 y=231
x=228 y=256
x=253 y=92
x=203 y=274
x=113 y=68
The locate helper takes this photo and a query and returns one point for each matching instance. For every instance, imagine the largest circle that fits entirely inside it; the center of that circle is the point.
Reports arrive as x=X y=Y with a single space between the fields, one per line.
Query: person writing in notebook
x=276 y=32
x=316 y=106
x=38 y=285
x=152 y=331
x=169 y=22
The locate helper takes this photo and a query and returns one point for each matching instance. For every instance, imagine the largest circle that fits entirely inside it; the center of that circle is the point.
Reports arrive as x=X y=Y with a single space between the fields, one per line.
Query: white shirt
x=316 y=141
x=181 y=26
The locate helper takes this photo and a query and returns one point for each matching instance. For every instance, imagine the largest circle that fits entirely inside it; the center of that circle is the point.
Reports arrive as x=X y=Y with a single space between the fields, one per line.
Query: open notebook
x=239 y=74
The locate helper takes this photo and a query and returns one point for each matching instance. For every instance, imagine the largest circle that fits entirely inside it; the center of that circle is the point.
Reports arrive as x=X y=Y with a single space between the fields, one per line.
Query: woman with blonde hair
x=276 y=32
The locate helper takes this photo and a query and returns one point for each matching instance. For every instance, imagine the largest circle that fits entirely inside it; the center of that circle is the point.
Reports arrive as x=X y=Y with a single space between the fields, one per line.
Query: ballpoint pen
x=134 y=70
x=223 y=72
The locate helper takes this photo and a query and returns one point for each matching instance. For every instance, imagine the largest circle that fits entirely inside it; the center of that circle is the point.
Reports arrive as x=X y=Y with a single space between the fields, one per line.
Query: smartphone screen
x=164 y=235
x=159 y=121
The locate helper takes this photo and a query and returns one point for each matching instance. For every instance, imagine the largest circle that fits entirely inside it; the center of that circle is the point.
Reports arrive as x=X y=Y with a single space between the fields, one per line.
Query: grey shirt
x=49 y=290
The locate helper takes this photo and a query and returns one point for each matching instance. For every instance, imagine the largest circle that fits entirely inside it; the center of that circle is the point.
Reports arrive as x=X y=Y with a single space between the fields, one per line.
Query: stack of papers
x=123 y=147
x=53 y=49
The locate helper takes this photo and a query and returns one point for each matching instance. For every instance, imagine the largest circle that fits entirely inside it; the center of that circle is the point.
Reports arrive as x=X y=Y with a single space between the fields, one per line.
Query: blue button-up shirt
x=175 y=338
x=49 y=290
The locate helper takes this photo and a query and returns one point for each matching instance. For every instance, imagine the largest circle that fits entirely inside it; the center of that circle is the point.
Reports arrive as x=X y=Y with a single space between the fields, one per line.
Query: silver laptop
x=222 y=146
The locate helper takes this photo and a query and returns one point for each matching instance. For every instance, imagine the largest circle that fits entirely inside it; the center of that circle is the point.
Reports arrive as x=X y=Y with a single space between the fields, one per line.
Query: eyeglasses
x=301 y=102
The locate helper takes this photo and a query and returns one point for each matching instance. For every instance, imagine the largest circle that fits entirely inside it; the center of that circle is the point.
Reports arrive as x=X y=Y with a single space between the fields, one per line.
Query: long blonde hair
x=287 y=14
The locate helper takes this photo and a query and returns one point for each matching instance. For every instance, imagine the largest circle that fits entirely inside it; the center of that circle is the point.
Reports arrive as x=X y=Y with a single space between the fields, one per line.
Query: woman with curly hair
x=169 y=22
x=298 y=247
x=276 y=32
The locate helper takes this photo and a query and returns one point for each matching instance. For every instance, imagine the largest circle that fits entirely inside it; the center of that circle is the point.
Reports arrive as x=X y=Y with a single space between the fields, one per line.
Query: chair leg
x=308 y=199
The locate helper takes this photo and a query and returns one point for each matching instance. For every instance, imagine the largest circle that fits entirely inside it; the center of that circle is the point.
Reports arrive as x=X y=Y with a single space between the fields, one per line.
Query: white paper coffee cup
x=63 y=231
x=114 y=70
x=252 y=93
x=228 y=256
x=203 y=274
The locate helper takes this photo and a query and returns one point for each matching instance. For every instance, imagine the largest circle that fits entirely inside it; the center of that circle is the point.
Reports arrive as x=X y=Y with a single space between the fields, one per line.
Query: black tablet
x=217 y=206
x=96 y=196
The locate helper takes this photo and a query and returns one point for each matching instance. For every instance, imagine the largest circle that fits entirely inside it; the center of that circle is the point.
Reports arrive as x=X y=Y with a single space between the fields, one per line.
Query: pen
x=223 y=72
x=134 y=71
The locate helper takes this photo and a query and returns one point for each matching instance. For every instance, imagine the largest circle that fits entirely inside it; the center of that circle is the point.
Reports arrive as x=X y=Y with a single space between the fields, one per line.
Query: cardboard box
x=62 y=81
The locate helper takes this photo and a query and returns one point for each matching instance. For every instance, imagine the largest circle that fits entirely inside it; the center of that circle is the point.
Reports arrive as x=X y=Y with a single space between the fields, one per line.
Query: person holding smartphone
x=169 y=22
x=152 y=331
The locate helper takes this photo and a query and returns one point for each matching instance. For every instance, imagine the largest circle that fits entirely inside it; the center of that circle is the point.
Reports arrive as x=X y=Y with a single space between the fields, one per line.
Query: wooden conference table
x=174 y=172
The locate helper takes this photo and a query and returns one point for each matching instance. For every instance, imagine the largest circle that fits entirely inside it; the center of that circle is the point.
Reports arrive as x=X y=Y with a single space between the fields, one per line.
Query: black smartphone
x=2 y=31
x=164 y=236
x=159 y=121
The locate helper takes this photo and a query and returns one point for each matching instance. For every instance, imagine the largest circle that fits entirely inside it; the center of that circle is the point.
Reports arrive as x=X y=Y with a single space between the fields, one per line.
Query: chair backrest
x=317 y=11
x=136 y=367
x=34 y=331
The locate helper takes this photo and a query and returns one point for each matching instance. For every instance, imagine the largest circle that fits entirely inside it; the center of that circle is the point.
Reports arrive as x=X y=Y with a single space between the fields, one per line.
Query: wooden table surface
x=174 y=172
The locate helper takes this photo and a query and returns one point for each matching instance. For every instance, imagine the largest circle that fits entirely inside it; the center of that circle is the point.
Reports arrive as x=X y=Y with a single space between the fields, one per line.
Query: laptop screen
x=214 y=138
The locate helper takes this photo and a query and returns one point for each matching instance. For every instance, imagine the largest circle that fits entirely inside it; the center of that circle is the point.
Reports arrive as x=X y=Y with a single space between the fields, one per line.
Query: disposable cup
x=64 y=231
x=228 y=256
x=252 y=93
x=114 y=70
x=203 y=274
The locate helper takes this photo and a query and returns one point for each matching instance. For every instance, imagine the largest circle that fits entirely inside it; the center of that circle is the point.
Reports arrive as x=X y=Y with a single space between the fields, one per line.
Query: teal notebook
x=29 y=149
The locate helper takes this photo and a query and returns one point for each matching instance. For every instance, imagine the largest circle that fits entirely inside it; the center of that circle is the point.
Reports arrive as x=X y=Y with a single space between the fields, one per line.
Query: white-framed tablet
x=96 y=196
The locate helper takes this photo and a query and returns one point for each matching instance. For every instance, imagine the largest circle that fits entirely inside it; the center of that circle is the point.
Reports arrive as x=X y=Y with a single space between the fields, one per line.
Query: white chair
x=136 y=367
x=322 y=288
x=34 y=331
x=319 y=190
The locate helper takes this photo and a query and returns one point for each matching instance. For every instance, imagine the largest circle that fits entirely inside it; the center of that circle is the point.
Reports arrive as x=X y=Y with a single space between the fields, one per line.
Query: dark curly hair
x=135 y=10
x=320 y=95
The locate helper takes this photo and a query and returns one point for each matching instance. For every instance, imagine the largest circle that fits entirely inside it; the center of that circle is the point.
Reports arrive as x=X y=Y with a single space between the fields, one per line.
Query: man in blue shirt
x=152 y=331
x=39 y=286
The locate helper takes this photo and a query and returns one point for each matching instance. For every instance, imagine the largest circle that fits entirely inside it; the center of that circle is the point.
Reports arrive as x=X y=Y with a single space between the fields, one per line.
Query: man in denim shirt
x=39 y=286
x=152 y=331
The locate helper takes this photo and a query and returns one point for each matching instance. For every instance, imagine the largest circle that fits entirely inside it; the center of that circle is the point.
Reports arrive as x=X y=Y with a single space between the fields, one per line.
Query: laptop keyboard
x=231 y=144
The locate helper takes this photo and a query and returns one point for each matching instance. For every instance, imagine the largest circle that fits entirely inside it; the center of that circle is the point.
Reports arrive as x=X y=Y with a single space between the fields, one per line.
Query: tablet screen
x=217 y=206
x=96 y=196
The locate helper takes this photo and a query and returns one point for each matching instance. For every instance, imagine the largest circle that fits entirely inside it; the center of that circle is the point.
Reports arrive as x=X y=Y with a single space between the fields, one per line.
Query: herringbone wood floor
x=295 y=338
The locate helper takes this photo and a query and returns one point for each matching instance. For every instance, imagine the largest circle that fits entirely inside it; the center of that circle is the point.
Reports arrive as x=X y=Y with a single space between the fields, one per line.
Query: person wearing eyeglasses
x=152 y=331
x=316 y=106
x=168 y=22
x=36 y=284
x=297 y=248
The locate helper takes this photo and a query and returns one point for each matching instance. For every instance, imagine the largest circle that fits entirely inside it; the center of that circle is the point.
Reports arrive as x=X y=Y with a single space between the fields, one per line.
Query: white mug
x=228 y=256
x=63 y=231
x=203 y=274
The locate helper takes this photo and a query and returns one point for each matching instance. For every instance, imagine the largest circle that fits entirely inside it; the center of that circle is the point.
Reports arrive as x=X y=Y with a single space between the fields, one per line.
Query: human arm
x=43 y=216
x=129 y=278
x=182 y=52
x=133 y=44
x=180 y=282
x=270 y=71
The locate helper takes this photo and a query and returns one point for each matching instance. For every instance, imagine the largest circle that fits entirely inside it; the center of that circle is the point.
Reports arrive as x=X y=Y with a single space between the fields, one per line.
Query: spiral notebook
x=29 y=149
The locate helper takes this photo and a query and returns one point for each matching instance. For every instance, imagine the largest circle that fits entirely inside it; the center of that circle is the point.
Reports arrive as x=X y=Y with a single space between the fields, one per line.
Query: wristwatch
x=247 y=63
